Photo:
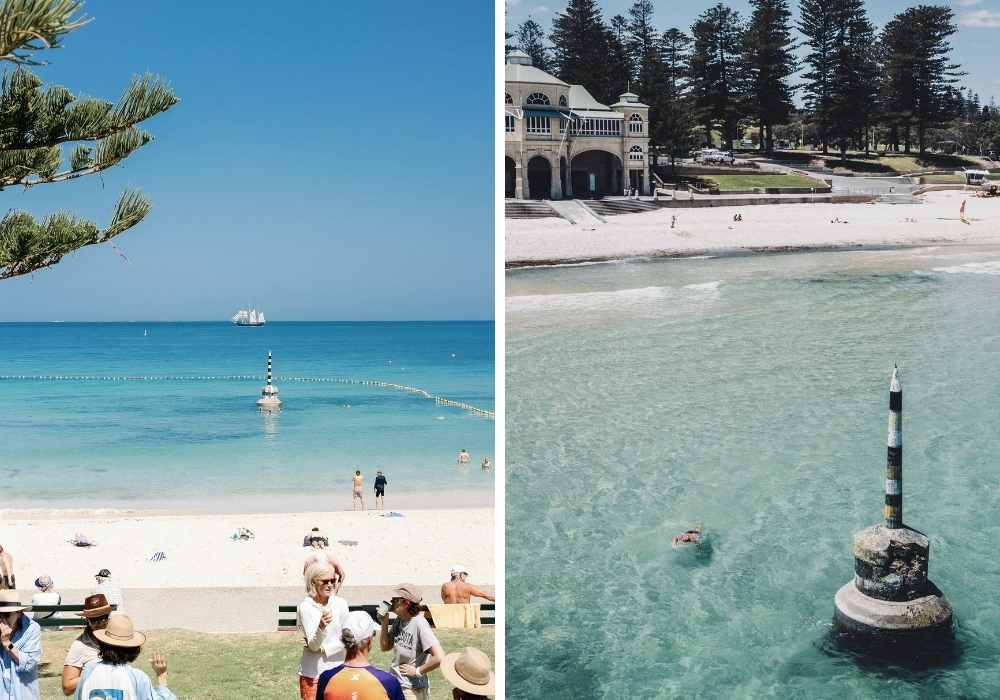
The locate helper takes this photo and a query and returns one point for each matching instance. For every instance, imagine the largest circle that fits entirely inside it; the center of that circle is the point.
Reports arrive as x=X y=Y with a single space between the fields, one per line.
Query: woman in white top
x=320 y=617
x=45 y=596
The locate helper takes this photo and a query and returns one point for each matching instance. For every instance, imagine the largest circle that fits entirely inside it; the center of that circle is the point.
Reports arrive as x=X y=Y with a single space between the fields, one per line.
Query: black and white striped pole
x=268 y=400
x=894 y=457
x=891 y=591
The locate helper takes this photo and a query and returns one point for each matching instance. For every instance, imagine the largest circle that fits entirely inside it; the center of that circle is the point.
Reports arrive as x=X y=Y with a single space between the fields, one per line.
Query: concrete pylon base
x=858 y=612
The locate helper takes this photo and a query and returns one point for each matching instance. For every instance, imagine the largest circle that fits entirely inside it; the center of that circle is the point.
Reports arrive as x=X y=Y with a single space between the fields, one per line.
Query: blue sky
x=974 y=45
x=327 y=161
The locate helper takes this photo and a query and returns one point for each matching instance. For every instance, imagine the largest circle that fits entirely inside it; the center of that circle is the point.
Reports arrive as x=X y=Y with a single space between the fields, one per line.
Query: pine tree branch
x=27 y=26
x=27 y=245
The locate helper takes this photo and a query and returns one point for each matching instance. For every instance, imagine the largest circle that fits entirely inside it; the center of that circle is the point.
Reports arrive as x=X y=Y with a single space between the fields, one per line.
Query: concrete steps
x=528 y=209
x=615 y=207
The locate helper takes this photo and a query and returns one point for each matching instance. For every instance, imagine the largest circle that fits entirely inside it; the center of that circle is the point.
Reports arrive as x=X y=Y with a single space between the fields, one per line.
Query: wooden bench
x=71 y=621
x=287 y=624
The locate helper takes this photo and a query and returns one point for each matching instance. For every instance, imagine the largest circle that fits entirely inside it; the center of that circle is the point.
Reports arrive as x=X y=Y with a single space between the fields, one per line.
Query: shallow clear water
x=201 y=443
x=750 y=393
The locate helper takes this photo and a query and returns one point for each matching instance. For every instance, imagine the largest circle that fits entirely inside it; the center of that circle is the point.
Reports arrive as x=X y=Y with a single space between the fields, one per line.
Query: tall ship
x=254 y=317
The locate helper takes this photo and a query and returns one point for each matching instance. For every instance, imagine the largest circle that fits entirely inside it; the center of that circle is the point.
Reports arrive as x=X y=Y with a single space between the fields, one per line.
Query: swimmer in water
x=691 y=535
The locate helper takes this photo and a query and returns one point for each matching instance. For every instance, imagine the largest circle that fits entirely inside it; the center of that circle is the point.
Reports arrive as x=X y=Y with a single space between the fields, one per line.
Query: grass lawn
x=900 y=162
x=240 y=666
x=943 y=179
x=745 y=182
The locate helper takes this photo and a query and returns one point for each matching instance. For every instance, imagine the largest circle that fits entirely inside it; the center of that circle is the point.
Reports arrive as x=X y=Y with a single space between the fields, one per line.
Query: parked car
x=713 y=155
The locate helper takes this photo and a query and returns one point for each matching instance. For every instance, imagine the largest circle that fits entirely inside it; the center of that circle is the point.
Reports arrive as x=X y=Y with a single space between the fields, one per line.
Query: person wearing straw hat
x=20 y=649
x=356 y=678
x=119 y=644
x=469 y=671
x=83 y=650
x=417 y=651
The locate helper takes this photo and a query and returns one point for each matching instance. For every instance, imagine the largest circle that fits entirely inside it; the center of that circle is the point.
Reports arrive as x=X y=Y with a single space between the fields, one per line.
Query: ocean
x=163 y=416
x=749 y=393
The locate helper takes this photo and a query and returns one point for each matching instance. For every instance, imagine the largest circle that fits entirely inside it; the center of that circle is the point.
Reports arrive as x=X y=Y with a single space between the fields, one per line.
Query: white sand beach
x=765 y=228
x=420 y=547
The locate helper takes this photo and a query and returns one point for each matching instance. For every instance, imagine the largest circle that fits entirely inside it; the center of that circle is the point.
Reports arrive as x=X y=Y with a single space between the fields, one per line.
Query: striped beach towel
x=159 y=556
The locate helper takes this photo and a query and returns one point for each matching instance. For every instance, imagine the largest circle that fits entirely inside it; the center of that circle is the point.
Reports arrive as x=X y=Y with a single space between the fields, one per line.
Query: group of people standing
x=98 y=663
x=337 y=643
x=380 y=484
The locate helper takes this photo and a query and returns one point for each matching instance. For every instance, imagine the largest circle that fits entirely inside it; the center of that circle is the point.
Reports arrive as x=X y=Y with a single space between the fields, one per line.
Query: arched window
x=537 y=98
x=635 y=124
x=635 y=153
x=562 y=100
x=507 y=99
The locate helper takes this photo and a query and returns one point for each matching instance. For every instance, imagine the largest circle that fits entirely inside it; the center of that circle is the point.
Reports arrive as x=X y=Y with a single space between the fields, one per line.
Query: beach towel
x=392 y=514
x=242 y=534
x=159 y=556
x=348 y=543
x=455 y=615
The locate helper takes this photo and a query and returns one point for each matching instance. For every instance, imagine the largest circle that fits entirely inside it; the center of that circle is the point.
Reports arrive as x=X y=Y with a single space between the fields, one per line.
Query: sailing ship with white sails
x=254 y=317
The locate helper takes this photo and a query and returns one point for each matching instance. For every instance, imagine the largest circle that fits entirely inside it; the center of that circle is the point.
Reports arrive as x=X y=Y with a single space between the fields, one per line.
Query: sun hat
x=120 y=632
x=10 y=602
x=459 y=569
x=360 y=624
x=103 y=573
x=407 y=591
x=43 y=581
x=95 y=606
x=469 y=671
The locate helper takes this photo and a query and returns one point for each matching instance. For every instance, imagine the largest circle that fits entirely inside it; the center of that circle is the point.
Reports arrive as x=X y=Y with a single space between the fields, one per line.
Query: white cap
x=459 y=569
x=360 y=625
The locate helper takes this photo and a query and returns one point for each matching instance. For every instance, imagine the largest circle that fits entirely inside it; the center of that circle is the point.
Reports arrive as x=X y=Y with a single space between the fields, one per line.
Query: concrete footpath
x=230 y=609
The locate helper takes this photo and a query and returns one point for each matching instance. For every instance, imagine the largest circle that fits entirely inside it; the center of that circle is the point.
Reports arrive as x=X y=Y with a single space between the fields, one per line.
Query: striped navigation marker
x=269 y=367
x=894 y=458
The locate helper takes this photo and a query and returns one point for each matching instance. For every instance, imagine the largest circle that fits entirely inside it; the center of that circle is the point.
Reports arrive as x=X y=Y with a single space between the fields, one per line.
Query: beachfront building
x=560 y=142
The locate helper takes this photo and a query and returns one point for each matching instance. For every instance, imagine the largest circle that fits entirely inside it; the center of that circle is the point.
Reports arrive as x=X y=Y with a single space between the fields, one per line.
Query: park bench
x=70 y=621
x=287 y=624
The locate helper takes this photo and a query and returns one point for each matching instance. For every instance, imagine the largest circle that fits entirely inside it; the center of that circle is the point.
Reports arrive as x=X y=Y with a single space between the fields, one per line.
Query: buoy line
x=240 y=377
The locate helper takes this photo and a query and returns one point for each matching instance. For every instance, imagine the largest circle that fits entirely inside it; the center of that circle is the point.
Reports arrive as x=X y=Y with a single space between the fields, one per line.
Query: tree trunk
x=920 y=137
x=906 y=139
x=843 y=153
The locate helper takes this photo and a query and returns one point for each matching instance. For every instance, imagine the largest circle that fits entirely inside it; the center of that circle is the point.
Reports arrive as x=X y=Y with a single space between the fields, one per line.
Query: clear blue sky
x=327 y=161
x=974 y=45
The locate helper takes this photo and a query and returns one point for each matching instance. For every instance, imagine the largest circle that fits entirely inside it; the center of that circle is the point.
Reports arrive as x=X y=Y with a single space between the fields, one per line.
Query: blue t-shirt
x=358 y=683
x=380 y=482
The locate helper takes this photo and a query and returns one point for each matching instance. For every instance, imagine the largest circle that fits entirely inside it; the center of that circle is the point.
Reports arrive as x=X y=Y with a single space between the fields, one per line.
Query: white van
x=713 y=155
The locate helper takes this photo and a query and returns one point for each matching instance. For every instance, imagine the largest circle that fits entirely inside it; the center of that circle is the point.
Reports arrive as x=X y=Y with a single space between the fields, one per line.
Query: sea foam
x=984 y=268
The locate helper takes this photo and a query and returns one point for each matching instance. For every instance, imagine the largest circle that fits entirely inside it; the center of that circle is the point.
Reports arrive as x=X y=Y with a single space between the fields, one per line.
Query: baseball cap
x=458 y=569
x=103 y=573
x=408 y=591
x=360 y=625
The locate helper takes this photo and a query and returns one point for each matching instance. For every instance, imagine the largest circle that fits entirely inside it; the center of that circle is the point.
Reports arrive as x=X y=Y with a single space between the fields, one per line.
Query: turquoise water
x=750 y=393
x=199 y=443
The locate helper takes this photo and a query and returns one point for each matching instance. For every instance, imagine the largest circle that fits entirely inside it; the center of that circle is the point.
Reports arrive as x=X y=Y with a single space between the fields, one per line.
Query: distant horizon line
x=458 y=320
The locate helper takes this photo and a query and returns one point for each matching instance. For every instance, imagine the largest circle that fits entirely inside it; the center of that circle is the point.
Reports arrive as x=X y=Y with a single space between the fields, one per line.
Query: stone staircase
x=614 y=207
x=527 y=209
x=897 y=199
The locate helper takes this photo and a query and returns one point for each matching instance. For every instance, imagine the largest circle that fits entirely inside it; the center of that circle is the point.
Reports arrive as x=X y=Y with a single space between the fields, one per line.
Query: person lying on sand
x=81 y=540
x=691 y=535
x=316 y=538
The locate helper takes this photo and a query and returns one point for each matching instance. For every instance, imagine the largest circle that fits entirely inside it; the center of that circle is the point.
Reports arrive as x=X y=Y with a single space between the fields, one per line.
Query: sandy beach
x=205 y=568
x=420 y=547
x=768 y=228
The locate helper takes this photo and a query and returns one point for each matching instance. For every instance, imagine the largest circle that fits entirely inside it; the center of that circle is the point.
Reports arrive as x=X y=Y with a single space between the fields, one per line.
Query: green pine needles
x=49 y=135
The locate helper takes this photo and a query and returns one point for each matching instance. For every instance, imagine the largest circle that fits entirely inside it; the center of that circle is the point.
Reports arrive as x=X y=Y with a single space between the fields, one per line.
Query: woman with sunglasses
x=320 y=617
x=20 y=649
x=84 y=649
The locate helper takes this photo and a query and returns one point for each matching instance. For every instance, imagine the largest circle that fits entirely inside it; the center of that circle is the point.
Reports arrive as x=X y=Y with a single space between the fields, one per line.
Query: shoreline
x=765 y=230
x=732 y=253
